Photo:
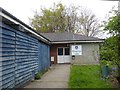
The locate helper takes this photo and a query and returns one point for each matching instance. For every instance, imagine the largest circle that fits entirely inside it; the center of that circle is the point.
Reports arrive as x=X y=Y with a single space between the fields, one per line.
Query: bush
x=38 y=75
x=106 y=63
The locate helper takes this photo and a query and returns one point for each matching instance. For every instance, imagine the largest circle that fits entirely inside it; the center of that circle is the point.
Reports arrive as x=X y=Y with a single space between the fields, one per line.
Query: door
x=67 y=57
x=64 y=55
x=60 y=55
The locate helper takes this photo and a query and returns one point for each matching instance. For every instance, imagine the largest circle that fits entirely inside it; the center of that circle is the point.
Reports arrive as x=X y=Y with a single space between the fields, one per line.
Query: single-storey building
x=25 y=52
x=73 y=48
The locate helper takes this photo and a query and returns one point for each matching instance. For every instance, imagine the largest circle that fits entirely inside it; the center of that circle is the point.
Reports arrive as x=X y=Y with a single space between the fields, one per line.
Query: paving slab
x=56 y=77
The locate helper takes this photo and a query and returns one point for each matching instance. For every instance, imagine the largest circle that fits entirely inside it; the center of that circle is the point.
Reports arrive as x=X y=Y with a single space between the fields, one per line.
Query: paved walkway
x=56 y=77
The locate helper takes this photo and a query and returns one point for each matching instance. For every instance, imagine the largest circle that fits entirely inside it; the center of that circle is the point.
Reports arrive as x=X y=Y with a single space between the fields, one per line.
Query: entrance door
x=64 y=55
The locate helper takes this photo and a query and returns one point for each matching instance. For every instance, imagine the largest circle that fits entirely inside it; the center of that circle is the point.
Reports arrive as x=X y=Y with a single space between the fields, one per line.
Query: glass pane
x=60 y=51
x=67 y=51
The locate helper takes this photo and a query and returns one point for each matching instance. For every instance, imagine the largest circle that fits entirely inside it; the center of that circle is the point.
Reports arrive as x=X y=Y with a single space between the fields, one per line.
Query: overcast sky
x=22 y=9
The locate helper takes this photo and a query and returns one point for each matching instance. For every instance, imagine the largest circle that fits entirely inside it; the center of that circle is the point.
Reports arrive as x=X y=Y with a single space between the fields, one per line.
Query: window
x=60 y=51
x=67 y=51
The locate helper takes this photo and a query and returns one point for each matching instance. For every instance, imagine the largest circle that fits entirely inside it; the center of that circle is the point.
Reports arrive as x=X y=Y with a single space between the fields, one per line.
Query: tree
x=81 y=20
x=71 y=19
x=88 y=23
x=66 y=19
x=50 y=20
x=114 y=28
x=112 y=49
x=108 y=49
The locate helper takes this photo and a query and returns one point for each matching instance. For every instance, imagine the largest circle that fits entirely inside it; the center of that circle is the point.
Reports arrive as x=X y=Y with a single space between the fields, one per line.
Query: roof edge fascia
x=63 y=42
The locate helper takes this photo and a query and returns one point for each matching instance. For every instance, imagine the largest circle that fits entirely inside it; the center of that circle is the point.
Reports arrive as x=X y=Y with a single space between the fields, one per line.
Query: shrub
x=38 y=75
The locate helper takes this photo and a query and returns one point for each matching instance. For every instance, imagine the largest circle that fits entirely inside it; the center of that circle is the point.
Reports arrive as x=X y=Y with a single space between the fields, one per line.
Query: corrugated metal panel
x=39 y=57
x=44 y=61
x=0 y=56
x=22 y=57
x=26 y=58
x=8 y=58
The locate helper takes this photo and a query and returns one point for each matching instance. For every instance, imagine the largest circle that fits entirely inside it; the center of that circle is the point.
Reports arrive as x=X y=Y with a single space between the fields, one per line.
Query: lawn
x=87 y=76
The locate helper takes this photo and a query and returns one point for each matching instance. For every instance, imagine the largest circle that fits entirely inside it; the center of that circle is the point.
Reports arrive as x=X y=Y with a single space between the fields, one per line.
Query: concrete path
x=56 y=77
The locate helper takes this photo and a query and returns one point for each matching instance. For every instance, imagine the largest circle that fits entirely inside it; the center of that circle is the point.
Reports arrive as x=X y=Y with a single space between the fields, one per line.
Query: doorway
x=63 y=55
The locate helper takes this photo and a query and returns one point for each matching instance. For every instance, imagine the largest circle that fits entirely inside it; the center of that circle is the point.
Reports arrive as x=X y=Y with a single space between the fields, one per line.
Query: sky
x=23 y=9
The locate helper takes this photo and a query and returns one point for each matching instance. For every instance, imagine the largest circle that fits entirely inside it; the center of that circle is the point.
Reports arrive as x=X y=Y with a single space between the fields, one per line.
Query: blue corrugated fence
x=22 y=56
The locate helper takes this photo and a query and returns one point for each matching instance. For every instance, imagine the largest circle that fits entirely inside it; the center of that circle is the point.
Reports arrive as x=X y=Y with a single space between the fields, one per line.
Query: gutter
x=60 y=42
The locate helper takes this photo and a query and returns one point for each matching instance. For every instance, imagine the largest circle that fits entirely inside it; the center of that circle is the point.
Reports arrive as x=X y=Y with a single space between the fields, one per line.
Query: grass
x=87 y=76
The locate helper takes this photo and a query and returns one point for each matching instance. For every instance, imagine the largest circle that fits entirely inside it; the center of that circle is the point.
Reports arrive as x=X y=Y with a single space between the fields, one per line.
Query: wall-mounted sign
x=76 y=49
x=52 y=59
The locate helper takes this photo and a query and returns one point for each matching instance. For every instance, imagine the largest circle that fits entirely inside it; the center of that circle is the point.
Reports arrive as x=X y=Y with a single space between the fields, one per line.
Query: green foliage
x=110 y=64
x=113 y=25
x=60 y=18
x=87 y=76
x=108 y=49
x=51 y=20
x=111 y=48
x=106 y=63
x=38 y=75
